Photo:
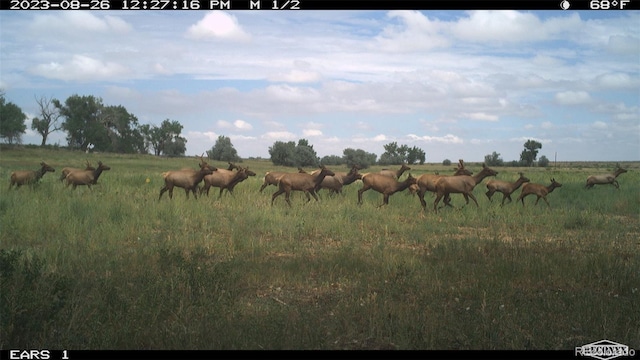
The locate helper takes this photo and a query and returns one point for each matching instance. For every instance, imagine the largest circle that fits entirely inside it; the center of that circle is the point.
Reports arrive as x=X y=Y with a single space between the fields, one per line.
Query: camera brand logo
x=604 y=350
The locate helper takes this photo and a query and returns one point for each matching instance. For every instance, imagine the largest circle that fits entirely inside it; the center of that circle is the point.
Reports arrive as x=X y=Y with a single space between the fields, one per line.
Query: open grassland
x=114 y=268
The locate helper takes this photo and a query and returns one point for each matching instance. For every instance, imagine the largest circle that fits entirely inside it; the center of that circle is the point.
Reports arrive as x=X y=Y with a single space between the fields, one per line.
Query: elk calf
x=29 y=177
x=539 y=190
x=395 y=174
x=383 y=184
x=504 y=187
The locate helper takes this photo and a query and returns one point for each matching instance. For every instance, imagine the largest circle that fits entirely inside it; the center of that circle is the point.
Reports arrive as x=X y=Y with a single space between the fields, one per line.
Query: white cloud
x=279 y=135
x=311 y=132
x=599 y=125
x=447 y=139
x=242 y=125
x=296 y=76
x=218 y=25
x=572 y=97
x=481 y=116
x=81 y=68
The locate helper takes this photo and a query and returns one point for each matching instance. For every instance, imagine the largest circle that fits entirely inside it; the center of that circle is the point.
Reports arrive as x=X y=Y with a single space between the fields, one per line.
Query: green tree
x=543 y=162
x=122 y=129
x=332 y=160
x=530 y=152
x=82 y=122
x=358 y=157
x=415 y=154
x=392 y=154
x=12 y=120
x=493 y=159
x=48 y=122
x=169 y=141
x=446 y=162
x=305 y=156
x=283 y=153
x=223 y=150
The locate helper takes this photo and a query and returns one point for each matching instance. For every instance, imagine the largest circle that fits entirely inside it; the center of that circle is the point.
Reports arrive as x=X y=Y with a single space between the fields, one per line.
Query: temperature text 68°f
x=608 y=4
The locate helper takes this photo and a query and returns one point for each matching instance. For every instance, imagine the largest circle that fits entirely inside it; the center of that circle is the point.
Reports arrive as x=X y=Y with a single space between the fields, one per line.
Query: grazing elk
x=301 y=182
x=539 y=190
x=85 y=177
x=463 y=184
x=395 y=174
x=225 y=179
x=188 y=179
x=29 y=177
x=383 y=184
x=336 y=182
x=427 y=182
x=66 y=170
x=504 y=187
x=605 y=179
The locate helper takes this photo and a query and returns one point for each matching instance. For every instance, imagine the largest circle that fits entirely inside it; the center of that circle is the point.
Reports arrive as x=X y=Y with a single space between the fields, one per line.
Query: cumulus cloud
x=600 y=125
x=447 y=139
x=296 y=76
x=572 y=97
x=414 y=32
x=218 y=25
x=79 y=23
x=279 y=135
x=311 y=132
x=481 y=116
x=81 y=68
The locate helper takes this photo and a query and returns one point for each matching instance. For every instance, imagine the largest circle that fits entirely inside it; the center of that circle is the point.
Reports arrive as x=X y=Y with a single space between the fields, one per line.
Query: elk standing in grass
x=427 y=182
x=66 y=170
x=504 y=187
x=606 y=179
x=225 y=179
x=395 y=174
x=463 y=184
x=539 y=190
x=383 y=184
x=29 y=177
x=85 y=177
x=188 y=179
x=301 y=182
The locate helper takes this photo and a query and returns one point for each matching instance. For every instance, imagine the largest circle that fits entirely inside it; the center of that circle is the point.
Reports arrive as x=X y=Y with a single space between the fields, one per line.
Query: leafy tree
x=11 y=121
x=290 y=154
x=82 y=122
x=332 y=160
x=283 y=153
x=122 y=129
x=164 y=139
x=493 y=159
x=543 y=162
x=415 y=154
x=446 y=162
x=47 y=123
x=358 y=157
x=396 y=155
x=223 y=150
x=530 y=152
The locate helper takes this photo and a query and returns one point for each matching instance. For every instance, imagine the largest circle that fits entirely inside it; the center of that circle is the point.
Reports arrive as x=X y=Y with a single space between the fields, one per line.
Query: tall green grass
x=114 y=268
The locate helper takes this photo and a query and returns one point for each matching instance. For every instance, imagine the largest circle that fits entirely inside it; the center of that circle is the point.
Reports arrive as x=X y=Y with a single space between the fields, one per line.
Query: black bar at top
x=559 y=5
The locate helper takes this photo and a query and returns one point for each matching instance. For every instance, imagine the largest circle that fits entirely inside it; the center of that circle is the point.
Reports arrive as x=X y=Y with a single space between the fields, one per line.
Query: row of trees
x=90 y=124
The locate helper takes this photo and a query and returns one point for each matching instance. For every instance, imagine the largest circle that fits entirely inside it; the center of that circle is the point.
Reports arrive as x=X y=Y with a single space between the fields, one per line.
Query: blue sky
x=457 y=84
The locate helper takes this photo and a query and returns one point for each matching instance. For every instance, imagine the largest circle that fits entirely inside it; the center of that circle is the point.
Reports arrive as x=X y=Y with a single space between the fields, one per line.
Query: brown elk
x=605 y=179
x=301 y=182
x=395 y=174
x=539 y=190
x=505 y=187
x=85 y=177
x=188 y=179
x=383 y=184
x=427 y=182
x=225 y=179
x=29 y=177
x=272 y=177
x=463 y=184
x=336 y=182
x=66 y=170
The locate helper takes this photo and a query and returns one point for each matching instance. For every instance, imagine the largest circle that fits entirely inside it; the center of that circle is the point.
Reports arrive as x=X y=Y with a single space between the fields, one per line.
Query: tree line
x=92 y=125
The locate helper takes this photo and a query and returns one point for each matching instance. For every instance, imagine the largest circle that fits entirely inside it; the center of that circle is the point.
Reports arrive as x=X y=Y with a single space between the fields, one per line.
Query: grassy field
x=114 y=268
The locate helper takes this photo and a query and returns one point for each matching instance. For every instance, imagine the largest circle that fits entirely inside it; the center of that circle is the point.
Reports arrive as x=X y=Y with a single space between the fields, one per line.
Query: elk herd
x=386 y=182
